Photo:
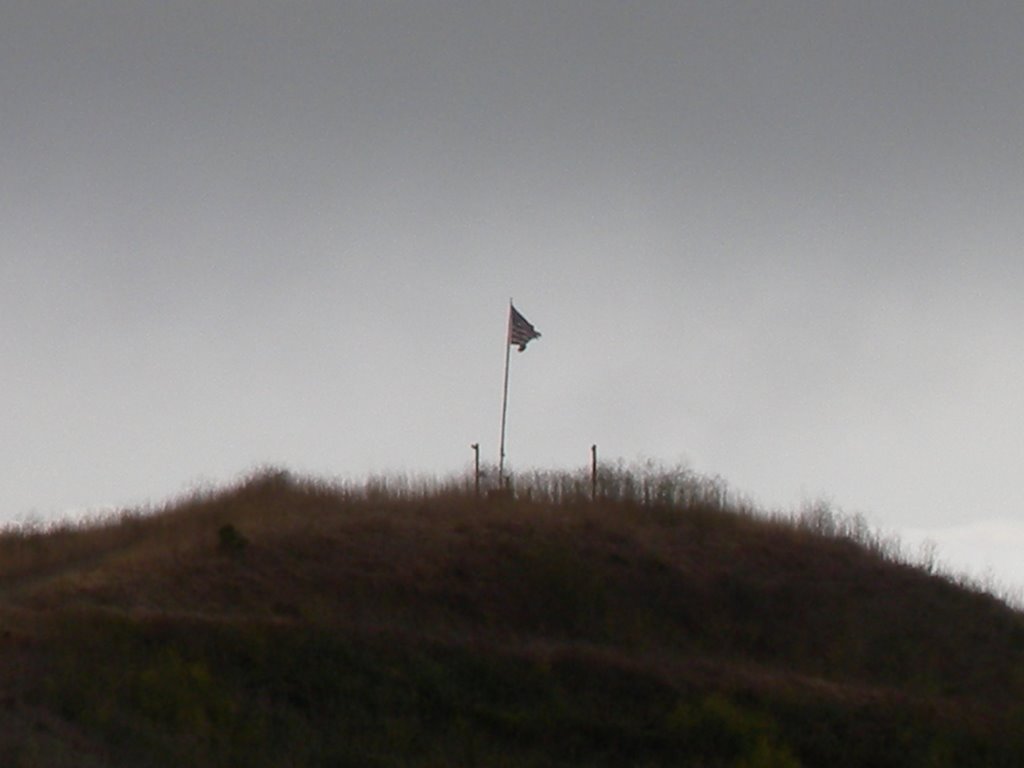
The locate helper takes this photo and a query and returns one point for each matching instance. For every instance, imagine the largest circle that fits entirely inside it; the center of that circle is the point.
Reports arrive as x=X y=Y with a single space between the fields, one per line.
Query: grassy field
x=289 y=622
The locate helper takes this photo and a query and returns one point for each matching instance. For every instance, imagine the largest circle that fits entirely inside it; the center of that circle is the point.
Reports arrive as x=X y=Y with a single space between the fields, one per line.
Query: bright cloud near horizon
x=777 y=242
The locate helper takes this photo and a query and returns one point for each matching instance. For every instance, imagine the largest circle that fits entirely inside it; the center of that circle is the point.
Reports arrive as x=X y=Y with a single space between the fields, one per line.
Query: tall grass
x=654 y=484
x=34 y=544
x=401 y=620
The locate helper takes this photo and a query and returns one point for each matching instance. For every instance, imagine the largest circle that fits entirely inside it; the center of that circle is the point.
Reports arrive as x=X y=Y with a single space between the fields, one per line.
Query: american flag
x=520 y=330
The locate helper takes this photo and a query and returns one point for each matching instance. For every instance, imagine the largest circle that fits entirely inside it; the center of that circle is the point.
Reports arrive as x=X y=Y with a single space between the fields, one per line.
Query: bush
x=230 y=541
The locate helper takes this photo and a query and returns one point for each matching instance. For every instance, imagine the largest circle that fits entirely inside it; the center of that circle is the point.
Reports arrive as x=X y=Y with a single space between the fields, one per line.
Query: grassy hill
x=285 y=622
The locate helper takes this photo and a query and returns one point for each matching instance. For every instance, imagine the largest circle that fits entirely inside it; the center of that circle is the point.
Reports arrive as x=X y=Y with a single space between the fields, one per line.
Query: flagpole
x=504 y=399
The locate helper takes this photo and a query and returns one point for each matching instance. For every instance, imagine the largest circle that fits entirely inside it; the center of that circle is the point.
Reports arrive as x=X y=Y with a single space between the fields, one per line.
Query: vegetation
x=287 y=622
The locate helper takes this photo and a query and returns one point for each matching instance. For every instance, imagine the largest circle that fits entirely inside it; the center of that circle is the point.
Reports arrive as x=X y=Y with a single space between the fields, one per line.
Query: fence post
x=593 y=472
x=476 y=469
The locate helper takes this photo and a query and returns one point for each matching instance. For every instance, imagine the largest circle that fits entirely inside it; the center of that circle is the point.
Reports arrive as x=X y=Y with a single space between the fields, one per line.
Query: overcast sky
x=779 y=242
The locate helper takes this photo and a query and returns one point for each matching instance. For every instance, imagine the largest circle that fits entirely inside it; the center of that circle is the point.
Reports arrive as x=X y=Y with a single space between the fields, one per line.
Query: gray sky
x=777 y=241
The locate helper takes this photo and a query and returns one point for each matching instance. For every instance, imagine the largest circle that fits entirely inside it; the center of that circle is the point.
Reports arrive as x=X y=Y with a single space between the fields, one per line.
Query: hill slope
x=284 y=622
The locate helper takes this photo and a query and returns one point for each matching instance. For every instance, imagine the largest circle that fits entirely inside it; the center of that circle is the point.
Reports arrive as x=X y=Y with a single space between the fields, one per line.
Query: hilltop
x=290 y=622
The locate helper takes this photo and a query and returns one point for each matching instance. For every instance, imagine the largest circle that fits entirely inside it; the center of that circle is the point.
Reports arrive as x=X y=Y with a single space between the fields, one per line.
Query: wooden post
x=476 y=469
x=593 y=472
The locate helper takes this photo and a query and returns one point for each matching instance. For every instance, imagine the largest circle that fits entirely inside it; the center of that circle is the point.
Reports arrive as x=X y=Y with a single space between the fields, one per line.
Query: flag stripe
x=520 y=330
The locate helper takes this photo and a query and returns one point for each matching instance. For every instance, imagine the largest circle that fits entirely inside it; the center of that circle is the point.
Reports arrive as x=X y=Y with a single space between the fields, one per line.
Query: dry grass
x=666 y=578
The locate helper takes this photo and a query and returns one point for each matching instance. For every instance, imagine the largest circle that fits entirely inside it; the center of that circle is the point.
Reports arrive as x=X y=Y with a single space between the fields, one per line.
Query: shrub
x=230 y=541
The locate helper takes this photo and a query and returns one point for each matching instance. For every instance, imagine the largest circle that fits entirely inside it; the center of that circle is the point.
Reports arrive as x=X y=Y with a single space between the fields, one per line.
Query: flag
x=520 y=331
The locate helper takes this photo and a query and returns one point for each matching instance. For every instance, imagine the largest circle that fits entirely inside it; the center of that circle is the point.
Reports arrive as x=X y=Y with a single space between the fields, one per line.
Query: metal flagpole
x=504 y=400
